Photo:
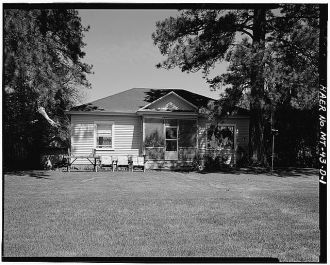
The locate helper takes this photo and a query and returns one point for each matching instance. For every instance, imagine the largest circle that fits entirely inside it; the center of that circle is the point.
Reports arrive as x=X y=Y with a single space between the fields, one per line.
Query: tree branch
x=247 y=27
x=246 y=32
x=42 y=111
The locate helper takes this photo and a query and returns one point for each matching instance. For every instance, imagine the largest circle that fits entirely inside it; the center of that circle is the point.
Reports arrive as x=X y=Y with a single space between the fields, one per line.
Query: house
x=166 y=125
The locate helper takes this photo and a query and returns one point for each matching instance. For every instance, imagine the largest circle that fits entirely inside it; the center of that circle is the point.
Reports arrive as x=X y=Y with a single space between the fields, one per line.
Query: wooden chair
x=106 y=161
x=138 y=161
x=122 y=162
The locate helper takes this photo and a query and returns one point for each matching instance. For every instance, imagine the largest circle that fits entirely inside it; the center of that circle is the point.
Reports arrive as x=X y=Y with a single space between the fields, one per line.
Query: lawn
x=171 y=214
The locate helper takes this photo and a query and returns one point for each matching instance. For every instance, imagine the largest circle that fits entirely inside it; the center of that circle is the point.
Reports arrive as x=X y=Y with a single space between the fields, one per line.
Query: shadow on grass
x=30 y=173
x=278 y=172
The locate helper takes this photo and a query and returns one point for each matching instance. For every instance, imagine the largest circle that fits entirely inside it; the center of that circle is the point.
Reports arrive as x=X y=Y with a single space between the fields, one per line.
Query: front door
x=171 y=140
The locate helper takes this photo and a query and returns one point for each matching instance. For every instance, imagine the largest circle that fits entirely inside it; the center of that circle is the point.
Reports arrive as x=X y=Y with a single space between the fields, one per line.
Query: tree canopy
x=272 y=53
x=43 y=73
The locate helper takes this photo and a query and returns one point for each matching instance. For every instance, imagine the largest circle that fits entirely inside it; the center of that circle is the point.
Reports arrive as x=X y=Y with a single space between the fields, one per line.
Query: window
x=171 y=135
x=154 y=138
x=104 y=135
x=221 y=136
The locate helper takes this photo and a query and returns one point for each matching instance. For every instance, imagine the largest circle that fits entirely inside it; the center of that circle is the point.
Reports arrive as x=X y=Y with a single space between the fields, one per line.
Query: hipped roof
x=130 y=101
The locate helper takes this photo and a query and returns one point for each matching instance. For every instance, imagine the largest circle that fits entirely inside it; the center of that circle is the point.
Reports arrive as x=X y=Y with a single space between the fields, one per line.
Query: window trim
x=112 y=123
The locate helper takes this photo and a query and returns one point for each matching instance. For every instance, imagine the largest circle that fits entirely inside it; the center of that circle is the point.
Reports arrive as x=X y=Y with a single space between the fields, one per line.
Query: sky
x=121 y=50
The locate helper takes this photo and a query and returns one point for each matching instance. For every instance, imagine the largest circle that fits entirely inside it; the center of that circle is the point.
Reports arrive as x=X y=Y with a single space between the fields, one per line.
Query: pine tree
x=264 y=45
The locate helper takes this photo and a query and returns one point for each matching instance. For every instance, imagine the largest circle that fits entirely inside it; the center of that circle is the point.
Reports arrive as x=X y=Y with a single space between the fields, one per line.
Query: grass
x=106 y=214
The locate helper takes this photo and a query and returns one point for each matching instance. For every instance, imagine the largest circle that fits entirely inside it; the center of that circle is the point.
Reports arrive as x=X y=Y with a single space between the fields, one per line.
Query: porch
x=181 y=142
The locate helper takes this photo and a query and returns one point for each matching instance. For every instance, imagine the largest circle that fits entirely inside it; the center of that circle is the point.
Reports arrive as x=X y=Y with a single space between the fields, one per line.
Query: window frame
x=112 y=123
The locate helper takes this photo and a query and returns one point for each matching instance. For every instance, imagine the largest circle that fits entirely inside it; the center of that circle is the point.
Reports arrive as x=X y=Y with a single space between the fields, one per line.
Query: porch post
x=235 y=143
x=143 y=137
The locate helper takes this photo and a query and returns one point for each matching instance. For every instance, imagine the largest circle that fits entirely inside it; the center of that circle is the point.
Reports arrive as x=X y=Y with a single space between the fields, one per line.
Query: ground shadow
x=29 y=173
x=278 y=172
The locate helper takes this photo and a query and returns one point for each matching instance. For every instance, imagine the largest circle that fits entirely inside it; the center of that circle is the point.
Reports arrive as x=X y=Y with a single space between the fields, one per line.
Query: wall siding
x=127 y=134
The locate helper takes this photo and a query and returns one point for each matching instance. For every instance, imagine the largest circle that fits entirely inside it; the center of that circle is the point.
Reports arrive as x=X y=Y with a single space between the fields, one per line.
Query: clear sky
x=121 y=50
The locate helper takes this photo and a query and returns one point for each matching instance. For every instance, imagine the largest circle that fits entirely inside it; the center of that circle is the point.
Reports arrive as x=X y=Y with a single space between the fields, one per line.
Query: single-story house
x=166 y=126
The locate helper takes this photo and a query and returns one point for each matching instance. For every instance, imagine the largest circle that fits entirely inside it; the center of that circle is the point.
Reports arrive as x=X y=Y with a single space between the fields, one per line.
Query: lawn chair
x=138 y=161
x=106 y=161
x=123 y=162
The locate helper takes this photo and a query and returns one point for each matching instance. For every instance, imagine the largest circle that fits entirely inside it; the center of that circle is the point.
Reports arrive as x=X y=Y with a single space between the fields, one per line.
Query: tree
x=43 y=74
x=250 y=41
x=290 y=80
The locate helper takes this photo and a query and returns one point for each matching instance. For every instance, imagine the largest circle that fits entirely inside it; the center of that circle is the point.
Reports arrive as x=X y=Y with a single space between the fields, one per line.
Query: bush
x=218 y=161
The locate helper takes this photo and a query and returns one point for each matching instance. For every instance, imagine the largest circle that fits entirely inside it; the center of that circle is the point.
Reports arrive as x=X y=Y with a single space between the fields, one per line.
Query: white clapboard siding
x=127 y=135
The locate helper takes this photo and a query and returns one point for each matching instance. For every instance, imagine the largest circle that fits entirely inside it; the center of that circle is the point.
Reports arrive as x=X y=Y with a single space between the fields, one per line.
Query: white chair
x=138 y=161
x=106 y=161
x=122 y=162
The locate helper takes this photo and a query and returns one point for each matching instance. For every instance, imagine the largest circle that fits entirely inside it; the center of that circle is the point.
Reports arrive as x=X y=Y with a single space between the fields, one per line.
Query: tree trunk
x=257 y=121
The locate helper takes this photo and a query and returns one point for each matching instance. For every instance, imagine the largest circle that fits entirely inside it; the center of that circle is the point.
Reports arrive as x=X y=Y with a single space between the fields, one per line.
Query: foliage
x=197 y=39
x=187 y=153
x=220 y=137
x=291 y=83
x=216 y=160
x=273 y=55
x=154 y=140
x=290 y=64
x=295 y=145
x=241 y=157
x=42 y=68
x=187 y=133
x=157 y=153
